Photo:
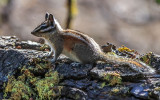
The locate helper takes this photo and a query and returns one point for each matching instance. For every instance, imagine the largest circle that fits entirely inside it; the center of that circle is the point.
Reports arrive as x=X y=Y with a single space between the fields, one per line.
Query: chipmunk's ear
x=46 y=16
x=51 y=18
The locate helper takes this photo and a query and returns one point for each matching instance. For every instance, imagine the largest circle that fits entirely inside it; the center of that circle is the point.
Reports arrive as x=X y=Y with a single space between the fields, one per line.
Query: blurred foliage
x=3 y=2
x=72 y=12
x=158 y=1
x=4 y=13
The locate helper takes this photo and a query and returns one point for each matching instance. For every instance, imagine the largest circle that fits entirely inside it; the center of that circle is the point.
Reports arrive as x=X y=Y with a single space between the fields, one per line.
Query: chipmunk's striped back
x=82 y=37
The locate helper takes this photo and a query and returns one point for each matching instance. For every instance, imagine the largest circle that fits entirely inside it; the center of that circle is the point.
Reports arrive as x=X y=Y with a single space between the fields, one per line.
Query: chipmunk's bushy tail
x=134 y=64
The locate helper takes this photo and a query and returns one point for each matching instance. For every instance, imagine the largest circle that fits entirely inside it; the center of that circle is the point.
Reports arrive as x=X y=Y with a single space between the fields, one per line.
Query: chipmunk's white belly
x=71 y=55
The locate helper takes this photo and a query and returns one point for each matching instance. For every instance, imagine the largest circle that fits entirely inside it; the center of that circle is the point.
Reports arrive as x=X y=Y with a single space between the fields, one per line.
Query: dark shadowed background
x=133 y=23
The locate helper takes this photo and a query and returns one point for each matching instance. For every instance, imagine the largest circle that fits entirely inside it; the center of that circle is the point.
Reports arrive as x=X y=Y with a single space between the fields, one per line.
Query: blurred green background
x=133 y=23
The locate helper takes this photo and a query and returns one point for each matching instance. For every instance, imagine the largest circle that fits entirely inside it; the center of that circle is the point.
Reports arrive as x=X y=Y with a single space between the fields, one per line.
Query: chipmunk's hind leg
x=85 y=53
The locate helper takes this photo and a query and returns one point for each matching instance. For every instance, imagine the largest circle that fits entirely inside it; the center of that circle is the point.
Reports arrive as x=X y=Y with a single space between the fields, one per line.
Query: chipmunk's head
x=49 y=26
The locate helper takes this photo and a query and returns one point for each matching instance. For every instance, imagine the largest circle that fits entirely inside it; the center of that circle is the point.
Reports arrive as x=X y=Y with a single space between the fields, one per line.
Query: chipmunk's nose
x=37 y=29
x=32 y=32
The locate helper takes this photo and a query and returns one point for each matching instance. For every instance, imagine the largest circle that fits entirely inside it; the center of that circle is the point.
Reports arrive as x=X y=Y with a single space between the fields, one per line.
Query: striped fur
x=81 y=36
x=48 y=26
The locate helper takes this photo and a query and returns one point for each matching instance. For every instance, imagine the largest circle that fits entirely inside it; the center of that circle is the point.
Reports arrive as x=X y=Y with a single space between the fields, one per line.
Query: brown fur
x=70 y=41
x=76 y=33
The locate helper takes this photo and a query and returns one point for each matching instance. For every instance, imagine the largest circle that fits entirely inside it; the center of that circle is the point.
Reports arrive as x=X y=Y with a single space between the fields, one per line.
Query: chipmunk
x=77 y=46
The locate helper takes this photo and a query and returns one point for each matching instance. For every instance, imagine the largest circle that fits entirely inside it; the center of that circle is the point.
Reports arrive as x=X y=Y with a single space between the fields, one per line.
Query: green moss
x=120 y=90
x=18 y=90
x=39 y=66
x=157 y=89
x=147 y=58
x=123 y=48
x=115 y=90
x=103 y=84
x=47 y=87
x=77 y=96
x=112 y=78
x=27 y=85
x=34 y=80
